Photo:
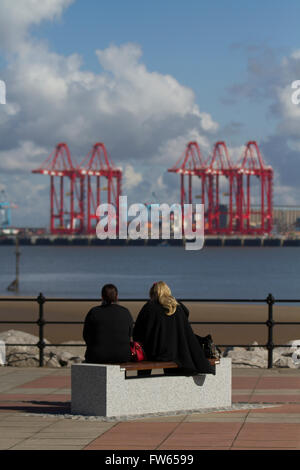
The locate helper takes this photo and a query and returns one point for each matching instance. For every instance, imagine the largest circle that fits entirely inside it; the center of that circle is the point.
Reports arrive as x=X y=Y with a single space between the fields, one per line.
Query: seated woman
x=163 y=328
x=107 y=330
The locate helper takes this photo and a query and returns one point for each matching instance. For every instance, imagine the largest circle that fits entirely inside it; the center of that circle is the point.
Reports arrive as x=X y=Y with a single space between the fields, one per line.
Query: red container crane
x=95 y=166
x=69 y=184
x=221 y=178
x=191 y=163
x=66 y=192
x=253 y=169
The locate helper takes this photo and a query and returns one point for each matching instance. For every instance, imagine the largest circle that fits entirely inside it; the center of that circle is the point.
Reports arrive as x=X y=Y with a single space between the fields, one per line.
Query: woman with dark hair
x=163 y=328
x=107 y=330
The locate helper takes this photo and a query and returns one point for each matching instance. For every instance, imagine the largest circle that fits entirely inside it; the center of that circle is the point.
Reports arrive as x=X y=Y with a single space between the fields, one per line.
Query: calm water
x=210 y=273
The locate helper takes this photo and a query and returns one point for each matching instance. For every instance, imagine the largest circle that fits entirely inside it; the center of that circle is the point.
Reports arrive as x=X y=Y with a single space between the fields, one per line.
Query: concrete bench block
x=103 y=390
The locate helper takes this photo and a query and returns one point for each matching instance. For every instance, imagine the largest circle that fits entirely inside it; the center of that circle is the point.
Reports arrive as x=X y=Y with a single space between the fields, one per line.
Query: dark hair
x=109 y=293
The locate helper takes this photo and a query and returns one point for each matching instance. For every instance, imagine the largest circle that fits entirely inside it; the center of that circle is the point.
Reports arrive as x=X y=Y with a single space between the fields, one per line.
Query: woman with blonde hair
x=163 y=328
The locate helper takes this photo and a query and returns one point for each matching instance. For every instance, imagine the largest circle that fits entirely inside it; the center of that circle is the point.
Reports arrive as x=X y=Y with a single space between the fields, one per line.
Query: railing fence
x=41 y=322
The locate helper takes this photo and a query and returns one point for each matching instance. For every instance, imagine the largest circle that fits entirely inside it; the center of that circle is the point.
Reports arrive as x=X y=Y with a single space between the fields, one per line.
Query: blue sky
x=145 y=78
x=203 y=44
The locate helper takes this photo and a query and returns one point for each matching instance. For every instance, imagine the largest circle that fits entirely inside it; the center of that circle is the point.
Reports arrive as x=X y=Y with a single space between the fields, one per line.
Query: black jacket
x=107 y=331
x=170 y=338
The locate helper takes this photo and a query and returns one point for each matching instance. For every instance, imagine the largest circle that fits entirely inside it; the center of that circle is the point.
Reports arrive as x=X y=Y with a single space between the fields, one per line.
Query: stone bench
x=106 y=390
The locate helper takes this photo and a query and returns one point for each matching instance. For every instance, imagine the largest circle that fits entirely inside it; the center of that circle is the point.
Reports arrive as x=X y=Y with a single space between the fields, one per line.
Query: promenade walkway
x=33 y=400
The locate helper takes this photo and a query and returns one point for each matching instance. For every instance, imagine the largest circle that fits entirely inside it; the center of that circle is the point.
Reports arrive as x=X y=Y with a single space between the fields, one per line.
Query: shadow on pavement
x=57 y=407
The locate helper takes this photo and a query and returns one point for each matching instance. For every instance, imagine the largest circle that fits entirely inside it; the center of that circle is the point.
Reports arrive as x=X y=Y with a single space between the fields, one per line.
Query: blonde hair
x=161 y=292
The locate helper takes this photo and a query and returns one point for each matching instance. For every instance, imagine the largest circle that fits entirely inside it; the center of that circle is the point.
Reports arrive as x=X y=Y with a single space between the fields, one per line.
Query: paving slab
x=15 y=433
x=35 y=414
x=266 y=444
x=45 y=446
x=272 y=419
x=162 y=419
x=31 y=391
x=53 y=381
x=54 y=441
x=5 y=414
x=8 y=443
x=216 y=419
x=217 y=415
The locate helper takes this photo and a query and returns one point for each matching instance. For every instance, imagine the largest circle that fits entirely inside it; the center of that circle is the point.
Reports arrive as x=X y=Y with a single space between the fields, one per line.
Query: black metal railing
x=41 y=322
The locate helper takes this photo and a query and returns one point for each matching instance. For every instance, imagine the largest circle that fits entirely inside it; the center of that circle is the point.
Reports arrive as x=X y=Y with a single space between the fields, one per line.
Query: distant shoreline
x=209 y=241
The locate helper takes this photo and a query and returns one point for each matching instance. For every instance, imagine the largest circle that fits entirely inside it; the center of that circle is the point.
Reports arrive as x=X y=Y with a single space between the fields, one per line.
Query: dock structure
x=92 y=240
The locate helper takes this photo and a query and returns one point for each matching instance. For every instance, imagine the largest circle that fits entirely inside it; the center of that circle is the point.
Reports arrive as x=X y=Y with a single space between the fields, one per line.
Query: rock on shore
x=28 y=356
x=257 y=357
x=56 y=356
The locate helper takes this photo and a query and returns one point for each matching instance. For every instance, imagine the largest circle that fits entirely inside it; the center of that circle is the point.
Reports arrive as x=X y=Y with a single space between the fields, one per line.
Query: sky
x=145 y=78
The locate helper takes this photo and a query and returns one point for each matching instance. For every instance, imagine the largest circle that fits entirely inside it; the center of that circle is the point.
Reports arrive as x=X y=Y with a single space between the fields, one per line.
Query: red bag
x=137 y=352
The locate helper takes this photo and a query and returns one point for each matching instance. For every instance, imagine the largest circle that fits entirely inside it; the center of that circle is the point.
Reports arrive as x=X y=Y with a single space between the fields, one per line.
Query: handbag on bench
x=211 y=351
x=137 y=351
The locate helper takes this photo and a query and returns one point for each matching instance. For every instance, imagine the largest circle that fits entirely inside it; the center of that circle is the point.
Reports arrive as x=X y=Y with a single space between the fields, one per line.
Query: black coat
x=107 y=331
x=170 y=338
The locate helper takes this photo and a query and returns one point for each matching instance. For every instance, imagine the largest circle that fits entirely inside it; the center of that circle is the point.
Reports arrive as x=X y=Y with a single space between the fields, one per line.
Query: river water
x=208 y=273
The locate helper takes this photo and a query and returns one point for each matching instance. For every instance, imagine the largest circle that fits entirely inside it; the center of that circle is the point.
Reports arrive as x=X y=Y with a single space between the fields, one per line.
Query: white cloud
x=236 y=154
x=8 y=110
x=17 y=16
x=137 y=111
x=269 y=82
x=290 y=113
x=25 y=157
x=142 y=116
x=294 y=55
x=131 y=87
x=131 y=177
x=171 y=150
x=207 y=123
x=30 y=198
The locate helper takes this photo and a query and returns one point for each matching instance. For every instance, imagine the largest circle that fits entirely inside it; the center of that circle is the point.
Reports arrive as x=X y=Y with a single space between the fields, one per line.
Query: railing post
x=270 y=324
x=41 y=322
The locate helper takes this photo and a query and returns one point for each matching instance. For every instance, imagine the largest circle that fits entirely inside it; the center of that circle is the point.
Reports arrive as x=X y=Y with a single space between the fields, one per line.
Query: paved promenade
x=40 y=392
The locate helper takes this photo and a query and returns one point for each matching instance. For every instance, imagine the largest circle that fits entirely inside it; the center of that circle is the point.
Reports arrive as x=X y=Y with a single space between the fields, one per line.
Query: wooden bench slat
x=144 y=365
x=214 y=361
